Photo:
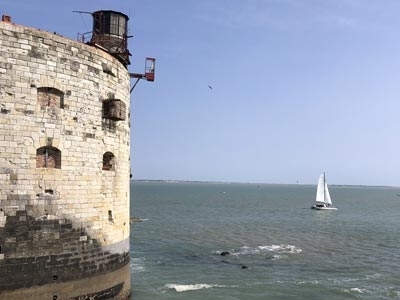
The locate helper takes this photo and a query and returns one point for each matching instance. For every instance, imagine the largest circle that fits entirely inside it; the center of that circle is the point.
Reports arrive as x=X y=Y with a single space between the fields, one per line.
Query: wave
x=355 y=291
x=276 y=250
x=358 y=290
x=136 y=219
x=137 y=265
x=190 y=287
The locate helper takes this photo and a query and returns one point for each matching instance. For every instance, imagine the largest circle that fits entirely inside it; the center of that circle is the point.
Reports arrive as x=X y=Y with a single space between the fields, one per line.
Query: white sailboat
x=323 y=199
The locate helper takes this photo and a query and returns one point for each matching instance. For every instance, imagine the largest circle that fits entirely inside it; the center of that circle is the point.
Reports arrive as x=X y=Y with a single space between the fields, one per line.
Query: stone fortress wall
x=64 y=168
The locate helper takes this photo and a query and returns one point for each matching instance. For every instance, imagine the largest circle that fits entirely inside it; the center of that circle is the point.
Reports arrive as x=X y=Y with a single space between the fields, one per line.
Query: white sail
x=320 y=197
x=328 y=200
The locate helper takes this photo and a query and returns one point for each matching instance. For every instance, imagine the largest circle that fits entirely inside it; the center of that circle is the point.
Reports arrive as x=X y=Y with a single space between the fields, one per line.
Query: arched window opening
x=48 y=157
x=50 y=98
x=108 y=161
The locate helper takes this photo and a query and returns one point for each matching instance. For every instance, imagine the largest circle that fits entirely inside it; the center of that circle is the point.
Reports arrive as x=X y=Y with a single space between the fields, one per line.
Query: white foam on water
x=190 y=287
x=355 y=290
x=310 y=282
x=277 y=249
x=361 y=291
x=277 y=257
x=137 y=265
x=281 y=248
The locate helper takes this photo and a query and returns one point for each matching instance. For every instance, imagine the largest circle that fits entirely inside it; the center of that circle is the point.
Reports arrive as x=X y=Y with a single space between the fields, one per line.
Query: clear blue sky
x=298 y=86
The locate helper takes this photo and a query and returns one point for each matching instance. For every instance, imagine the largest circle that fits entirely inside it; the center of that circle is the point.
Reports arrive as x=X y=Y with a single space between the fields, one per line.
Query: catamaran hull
x=323 y=208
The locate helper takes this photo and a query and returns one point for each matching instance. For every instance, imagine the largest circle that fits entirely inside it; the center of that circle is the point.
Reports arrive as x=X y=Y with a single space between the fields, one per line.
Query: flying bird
x=210 y=87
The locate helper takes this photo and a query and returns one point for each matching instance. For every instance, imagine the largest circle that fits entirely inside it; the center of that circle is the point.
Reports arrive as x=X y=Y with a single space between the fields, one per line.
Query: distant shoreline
x=260 y=183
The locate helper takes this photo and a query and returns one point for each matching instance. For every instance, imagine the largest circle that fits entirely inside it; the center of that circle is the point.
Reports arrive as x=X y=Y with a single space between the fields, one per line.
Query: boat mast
x=324 y=188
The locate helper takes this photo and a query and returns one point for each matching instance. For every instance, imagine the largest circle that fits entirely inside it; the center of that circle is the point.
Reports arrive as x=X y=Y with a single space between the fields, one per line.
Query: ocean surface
x=276 y=246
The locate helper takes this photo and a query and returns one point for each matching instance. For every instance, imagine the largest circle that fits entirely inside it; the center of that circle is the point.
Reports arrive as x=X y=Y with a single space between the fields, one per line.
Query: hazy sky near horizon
x=298 y=87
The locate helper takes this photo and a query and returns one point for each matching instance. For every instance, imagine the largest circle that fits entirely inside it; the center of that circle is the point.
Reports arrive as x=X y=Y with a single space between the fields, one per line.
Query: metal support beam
x=137 y=80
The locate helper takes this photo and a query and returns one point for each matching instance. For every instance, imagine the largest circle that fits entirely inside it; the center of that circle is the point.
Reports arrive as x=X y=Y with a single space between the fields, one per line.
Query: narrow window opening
x=108 y=161
x=110 y=217
x=48 y=157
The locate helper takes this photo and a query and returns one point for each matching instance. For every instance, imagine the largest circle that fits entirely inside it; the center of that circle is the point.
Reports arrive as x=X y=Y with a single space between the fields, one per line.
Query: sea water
x=275 y=246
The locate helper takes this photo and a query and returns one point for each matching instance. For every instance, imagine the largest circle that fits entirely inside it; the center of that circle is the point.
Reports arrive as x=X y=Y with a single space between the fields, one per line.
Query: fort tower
x=64 y=163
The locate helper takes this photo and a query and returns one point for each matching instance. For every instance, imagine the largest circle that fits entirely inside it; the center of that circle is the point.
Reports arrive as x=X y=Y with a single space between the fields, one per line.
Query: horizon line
x=266 y=183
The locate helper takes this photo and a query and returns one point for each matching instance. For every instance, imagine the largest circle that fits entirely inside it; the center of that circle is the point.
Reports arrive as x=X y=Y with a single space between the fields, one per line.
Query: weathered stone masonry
x=64 y=169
